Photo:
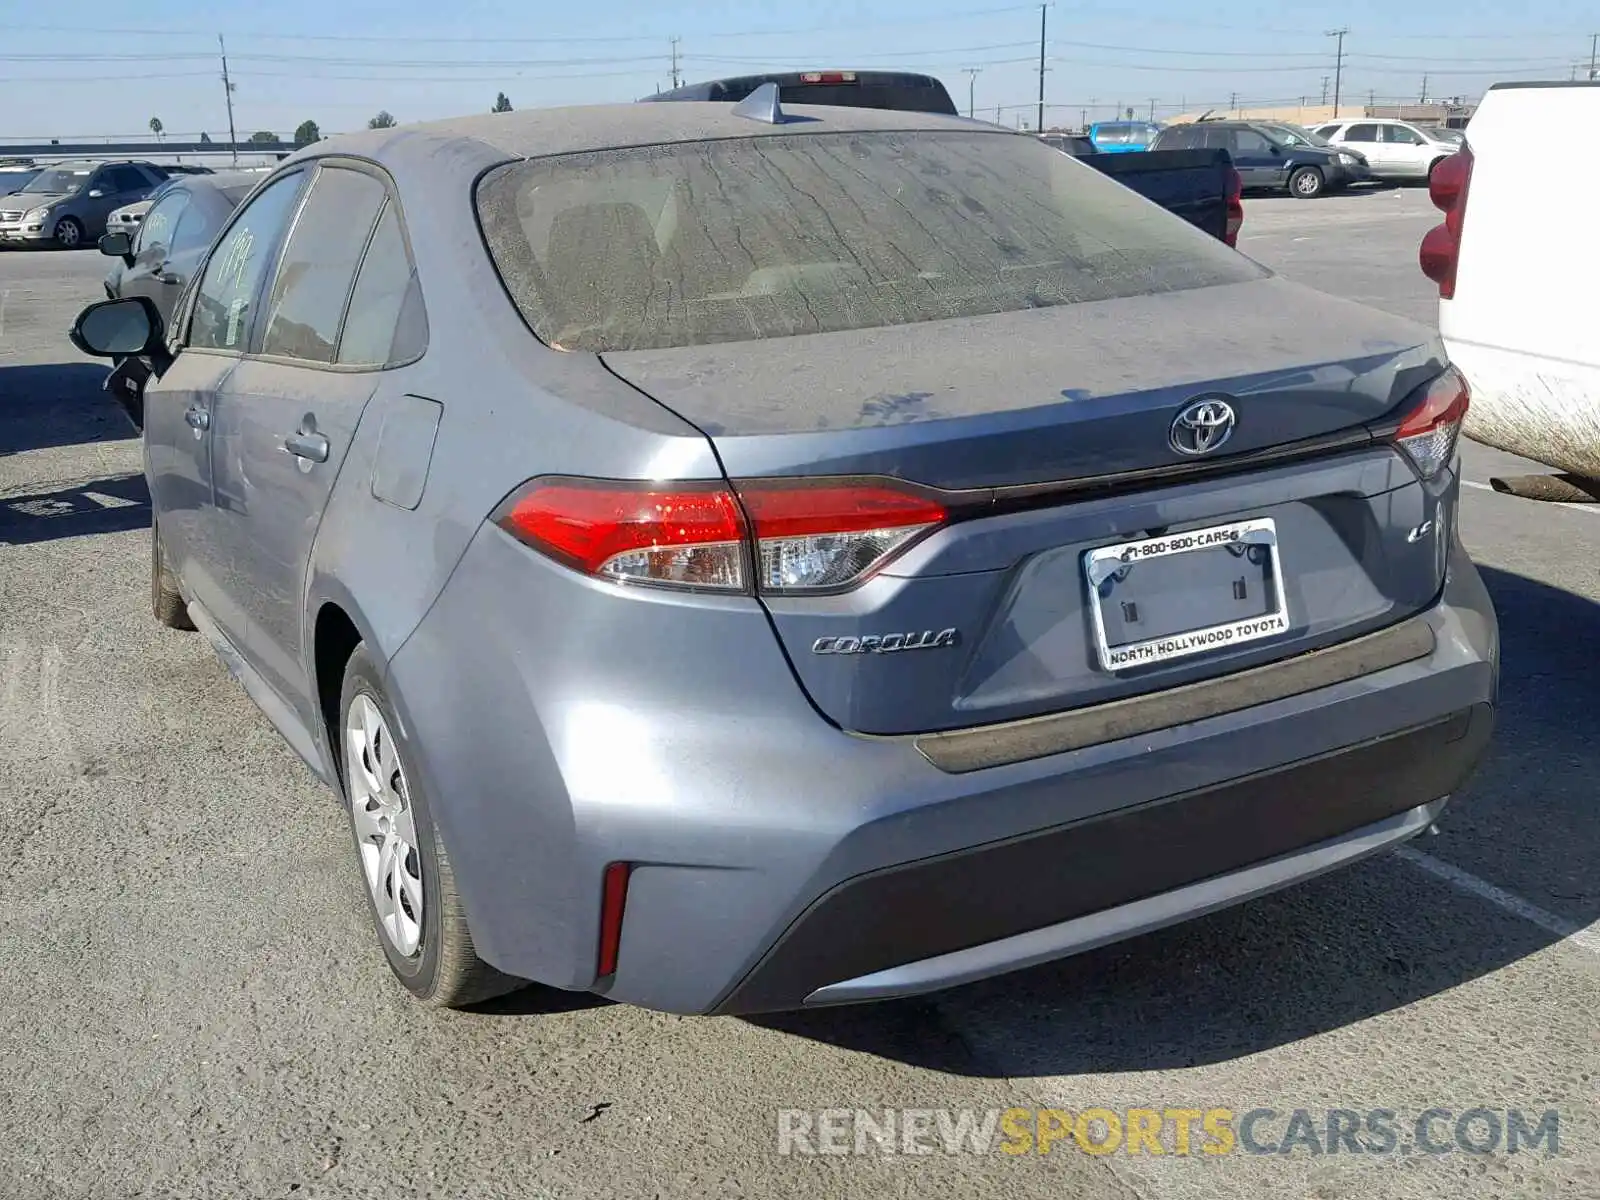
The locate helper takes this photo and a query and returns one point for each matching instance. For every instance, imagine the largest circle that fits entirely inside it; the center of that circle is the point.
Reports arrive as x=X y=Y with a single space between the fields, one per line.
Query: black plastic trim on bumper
x=963 y=750
x=955 y=901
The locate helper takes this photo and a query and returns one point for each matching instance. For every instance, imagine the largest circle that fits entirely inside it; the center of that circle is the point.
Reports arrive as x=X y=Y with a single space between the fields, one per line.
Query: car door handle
x=310 y=446
x=198 y=419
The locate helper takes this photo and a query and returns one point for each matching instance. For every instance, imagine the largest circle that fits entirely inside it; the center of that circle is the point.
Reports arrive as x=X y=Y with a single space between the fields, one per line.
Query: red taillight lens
x=808 y=535
x=1429 y=432
x=613 y=898
x=1235 y=207
x=813 y=537
x=1441 y=247
x=828 y=77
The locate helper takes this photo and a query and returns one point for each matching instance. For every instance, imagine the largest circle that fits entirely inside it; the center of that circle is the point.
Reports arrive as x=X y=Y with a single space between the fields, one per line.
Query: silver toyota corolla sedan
x=730 y=560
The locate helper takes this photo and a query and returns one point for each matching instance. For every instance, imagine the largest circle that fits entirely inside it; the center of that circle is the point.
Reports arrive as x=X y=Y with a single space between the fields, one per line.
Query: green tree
x=263 y=135
x=306 y=133
x=502 y=103
x=156 y=127
x=382 y=121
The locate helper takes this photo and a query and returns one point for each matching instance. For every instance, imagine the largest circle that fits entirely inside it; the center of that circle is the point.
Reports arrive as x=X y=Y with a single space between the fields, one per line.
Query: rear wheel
x=166 y=601
x=1306 y=183
x=69 y=233
x=410 y=886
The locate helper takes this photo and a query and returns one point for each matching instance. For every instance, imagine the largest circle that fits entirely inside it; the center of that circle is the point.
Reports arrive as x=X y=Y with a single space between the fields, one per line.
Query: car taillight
x=828 y=77
x=775 y=536
x=1441 y=247
x=1235 y=207
x=1429 y=432
x=821 y=536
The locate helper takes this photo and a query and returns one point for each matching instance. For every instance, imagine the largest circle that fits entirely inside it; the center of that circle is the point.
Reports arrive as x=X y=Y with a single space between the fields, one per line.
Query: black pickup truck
x=1201 y=186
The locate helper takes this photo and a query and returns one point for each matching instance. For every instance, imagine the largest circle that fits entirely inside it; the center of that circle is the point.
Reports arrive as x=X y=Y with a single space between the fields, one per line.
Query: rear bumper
x=1112 y=877
x=779 y=862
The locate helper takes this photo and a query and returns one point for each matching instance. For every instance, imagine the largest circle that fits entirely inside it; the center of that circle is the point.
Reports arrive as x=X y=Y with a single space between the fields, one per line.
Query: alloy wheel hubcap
x=386 y=833
x=68 y=235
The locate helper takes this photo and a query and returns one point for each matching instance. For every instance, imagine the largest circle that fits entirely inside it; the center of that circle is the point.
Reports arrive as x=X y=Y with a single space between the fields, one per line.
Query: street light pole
x=972 y=88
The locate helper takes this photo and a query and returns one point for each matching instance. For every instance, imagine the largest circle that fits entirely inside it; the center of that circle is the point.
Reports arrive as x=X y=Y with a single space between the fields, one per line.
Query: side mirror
x=96 y=193
x=122 y=328
x=116 y=245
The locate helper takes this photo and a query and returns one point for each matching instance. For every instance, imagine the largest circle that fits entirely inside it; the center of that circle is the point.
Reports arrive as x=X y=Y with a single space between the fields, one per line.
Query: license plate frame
x=1105 y=561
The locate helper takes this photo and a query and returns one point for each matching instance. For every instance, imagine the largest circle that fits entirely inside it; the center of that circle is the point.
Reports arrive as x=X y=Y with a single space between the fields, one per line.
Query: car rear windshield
x=781 y=235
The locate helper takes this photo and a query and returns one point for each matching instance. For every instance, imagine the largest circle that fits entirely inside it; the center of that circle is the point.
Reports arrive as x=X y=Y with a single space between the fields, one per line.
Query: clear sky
x=338 y=62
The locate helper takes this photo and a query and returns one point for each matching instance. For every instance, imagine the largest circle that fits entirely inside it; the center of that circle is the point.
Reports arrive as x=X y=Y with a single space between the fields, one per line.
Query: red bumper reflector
x=613 y=896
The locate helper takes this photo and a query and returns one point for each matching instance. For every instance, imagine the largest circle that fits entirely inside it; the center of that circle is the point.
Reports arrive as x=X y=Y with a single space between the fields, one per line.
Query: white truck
x=1517 y=261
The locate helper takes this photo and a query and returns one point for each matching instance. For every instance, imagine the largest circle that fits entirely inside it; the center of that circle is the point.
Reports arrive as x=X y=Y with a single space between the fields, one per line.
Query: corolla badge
x=887 y=643
x=1202 y=426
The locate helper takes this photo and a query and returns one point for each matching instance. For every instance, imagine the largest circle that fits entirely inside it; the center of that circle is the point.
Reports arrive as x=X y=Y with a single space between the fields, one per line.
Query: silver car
x=732 y=562
x=67 y=203
x=1400 y=151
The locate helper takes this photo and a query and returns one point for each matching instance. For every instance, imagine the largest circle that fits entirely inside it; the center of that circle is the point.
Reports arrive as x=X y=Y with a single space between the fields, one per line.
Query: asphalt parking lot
x=193 y=1003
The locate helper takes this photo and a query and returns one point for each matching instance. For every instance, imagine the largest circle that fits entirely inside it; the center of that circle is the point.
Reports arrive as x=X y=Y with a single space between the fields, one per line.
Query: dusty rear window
x=783 y=235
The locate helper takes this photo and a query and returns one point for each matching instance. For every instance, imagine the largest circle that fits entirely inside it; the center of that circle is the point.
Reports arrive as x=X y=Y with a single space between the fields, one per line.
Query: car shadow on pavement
x=1328 y=954
x=57 y=404
x=112 y=505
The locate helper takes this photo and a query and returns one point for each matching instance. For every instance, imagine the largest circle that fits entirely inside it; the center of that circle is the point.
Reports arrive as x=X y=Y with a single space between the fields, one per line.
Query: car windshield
x=781 y=235
x=60 y=181
x=1453 y=136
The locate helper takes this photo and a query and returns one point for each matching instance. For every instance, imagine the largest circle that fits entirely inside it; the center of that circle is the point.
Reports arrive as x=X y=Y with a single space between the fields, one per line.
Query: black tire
x=445 y=971
x=166 y=602
x=1434 y=166
x=1307 y=183
x=69 y=233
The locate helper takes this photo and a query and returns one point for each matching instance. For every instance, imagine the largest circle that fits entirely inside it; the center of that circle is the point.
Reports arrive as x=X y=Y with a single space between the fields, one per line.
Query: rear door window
x=1362 y=133
x=779 y=235
x=1401 y=136
x=319 y=263
x=1249 y=143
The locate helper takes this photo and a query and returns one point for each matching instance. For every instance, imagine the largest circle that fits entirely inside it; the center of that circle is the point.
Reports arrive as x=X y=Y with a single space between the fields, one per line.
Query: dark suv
x=901 y=91
x=1268 y=156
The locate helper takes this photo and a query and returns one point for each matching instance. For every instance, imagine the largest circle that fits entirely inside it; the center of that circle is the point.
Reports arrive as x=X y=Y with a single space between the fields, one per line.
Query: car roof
x=542 y=132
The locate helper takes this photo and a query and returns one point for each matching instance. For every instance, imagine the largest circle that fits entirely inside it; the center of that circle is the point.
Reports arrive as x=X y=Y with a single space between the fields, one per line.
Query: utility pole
x=1152 y=110
x=1083 y=119
x=1233 y=103
x=1338 y=64
x=1594 y=44
x=227 y=87
x=1324 y=91
x=1424 y=99
x=1044 y=10
x=972 y=87
x=1372 y=98
x=673 y=42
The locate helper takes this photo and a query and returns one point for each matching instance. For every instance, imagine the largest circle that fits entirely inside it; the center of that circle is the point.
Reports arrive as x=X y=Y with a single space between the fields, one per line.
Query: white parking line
x=1585 y=937
x=1591 y=510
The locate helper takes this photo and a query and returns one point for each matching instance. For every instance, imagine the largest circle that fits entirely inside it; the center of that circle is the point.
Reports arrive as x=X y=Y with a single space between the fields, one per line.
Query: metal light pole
x=972 y=88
